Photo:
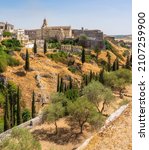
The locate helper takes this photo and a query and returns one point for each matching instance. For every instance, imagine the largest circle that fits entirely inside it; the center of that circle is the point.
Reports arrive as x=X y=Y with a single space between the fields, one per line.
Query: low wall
x=110 y=119
x=29 y=124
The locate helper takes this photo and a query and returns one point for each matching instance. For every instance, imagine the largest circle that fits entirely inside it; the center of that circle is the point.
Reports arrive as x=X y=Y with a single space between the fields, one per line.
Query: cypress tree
x=83 y=56
x=61 y=85
x=70 y=82
x=114 y=68
x=11 y=109
x=45 y=46
x=109 y=62
x=27 y=63
x=131 y=60
x=6 y=114
x=86 y=80
x=117 y=63
x=33 y=105
x=127 y=65
x=58 y=86
x=101 y=76
x=19 y=116
x=35 y=47
x=91 y=75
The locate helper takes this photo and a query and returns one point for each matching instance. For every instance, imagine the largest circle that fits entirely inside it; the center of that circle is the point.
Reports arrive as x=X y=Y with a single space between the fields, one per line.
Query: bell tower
x=45 y=24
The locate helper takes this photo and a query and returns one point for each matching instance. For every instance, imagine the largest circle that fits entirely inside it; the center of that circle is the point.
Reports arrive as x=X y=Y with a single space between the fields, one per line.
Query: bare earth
x=117 y=136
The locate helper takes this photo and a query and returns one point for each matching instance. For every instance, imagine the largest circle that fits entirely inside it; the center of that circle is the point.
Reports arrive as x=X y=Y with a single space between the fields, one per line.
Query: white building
x=20 y=35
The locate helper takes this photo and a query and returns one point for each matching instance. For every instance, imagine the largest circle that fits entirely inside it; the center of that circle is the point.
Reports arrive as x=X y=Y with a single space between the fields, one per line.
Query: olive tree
x=52 y=114
x=82 y=111
x=118 y=80
x=97 y=93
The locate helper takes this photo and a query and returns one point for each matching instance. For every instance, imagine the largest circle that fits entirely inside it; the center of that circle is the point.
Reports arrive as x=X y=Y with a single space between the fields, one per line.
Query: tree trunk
x=56 y=130
x=103 y=106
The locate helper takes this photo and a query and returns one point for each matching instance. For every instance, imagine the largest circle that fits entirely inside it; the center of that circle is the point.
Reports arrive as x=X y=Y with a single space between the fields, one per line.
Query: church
x=49 y=32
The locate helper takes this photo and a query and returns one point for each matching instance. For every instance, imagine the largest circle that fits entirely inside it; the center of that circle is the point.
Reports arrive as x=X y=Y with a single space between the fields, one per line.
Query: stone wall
x=29 y=124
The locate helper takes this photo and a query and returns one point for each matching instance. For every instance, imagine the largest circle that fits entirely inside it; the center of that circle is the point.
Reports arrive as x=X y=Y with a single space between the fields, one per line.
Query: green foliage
x=19 y=116
x=26 y=115
x=54 y=44
x=35 y=47
x=107 y=45
x=109 y=62
x=83 y=56
x=7 y=34
x=52 y=113
x=33 y=105
x=45 y=46
x=113 y=50
x=2 y=100
x=96 y=93
x=27 y=62
x=58 y=57
x=82 y=111
x=72 y=94
x=117 y=80
x=20 y=139
x=12 y=44
x=73 y=69
x=124 y=102
x=5 y=60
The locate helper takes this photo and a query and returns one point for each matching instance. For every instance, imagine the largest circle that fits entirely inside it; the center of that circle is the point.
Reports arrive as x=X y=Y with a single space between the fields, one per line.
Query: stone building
x=94 y=37
x=6 y=27
x=46 y=32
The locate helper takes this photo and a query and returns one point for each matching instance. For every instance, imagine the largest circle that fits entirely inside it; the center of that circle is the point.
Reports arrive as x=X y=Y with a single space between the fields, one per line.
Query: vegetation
x=19 y=116
x=27 y=62
x=58 y=57
x=81 y=112
x=118 y=80
x=52 y=113
x=33 y=105
x=7 y=34
x=11 y=45
x=20 y=139
x=6 y=60
x=83 y=56
x=96 y=93
x=26 y=115
x=45 y=47
x=35 y=47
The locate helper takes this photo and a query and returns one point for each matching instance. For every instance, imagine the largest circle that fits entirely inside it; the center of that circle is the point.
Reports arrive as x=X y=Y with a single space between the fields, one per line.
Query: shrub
x=58 y=57
x=3 y=64
x=20 y=139
x=73 y=69
x=26 y=115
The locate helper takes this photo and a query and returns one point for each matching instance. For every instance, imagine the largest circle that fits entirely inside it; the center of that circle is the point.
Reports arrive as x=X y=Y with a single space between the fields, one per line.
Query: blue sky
x=110 y=16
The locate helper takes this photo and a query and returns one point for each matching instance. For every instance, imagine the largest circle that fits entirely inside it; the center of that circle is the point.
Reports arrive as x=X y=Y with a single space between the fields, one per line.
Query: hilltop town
x=62 y=84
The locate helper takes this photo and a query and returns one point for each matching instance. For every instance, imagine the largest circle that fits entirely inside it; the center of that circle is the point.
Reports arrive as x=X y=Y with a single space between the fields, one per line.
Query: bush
x=26 y=115
x=6 y=60
x=20 y=139
x=12 y=44
x=7 y=34
x=3 y=64
x=58 y=57
x=73 y=69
